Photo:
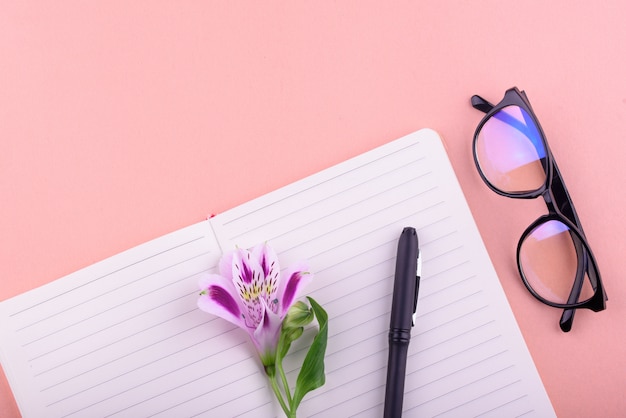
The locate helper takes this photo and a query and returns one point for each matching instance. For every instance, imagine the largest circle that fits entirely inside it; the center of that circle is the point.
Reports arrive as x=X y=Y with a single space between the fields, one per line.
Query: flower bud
x=298 y=316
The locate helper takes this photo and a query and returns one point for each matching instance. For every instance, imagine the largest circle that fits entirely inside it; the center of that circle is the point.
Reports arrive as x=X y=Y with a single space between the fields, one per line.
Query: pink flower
x=251 y=293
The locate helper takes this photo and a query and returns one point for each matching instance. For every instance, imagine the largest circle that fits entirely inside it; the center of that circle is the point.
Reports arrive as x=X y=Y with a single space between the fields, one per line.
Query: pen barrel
x=396 y=370
x=404 y=302
x=405 y=281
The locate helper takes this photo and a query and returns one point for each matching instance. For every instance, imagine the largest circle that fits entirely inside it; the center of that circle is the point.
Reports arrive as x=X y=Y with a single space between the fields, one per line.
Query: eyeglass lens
x=549 y=261
x=509 y=150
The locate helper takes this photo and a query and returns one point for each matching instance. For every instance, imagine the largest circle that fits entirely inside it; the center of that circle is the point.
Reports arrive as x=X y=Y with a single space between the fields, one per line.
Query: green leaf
x=311 y=374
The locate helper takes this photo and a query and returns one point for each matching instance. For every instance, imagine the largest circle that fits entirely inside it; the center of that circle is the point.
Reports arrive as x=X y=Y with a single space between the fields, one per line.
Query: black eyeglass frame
x=560 y=208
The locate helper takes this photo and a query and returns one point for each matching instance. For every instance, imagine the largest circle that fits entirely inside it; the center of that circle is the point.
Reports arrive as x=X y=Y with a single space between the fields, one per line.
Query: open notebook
x=123 y=337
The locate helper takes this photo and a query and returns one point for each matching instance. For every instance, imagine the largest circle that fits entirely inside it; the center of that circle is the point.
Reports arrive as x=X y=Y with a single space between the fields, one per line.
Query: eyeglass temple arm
x=561 y=198
x=567 y=318
x=481 y=104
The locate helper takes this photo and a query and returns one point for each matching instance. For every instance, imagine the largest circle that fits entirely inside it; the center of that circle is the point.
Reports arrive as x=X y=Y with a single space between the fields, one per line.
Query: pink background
x=121 y=121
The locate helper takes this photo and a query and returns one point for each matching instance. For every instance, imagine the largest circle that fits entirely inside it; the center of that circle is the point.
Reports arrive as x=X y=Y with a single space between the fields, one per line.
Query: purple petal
x=219 y=298
x=290 y=289
x=295 y=280
x=268 y=262
x=226 y=265
x=266 y=335
x=267 y=259
x=249 y=281
x=243 y=267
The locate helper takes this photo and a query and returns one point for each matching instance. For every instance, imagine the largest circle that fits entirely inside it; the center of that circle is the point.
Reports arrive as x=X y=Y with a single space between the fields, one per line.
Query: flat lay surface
x=121 y=122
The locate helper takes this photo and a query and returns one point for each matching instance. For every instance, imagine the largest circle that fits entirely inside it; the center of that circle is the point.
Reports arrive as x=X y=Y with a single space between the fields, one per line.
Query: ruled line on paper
x=348 y=364
x=443 y=289
x=365 y=408
x=484 y=394
x=126 y=319
x=454 y=354
x=472 y=382
x=108 y=363
x=434 y=327
x=356 y=238
x=356 y=220
x=318 y=192
x=466 y=367
x=349 y=399
x=179 y=368
x=317 y=184
x=356 y=273
x=329 y=302
x=84 y=321
x=262 y=387
x=232 y=399
x=383 y=243
x=423 y=366
x=450 y=303
x=362 y=202
x=352 y=239
x=257 y=388
x=105 y=275
x=100 y=294
x=331 y=196
x=179 y=386
x=108 y=345
x=251 y=408
x=334 y=351
x=186 y=384
x=344 y=208
x=133 y=371
x=108 y=310
x=138 y=403
x=508 y=402
x=447 y=270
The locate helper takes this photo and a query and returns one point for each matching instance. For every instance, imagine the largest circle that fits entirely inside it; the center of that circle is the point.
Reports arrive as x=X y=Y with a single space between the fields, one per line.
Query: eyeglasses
x=553 y=256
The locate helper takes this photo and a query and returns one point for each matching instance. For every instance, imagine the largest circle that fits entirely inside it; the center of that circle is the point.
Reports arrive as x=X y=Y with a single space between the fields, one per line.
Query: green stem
x=279 y=396
x=283 y=378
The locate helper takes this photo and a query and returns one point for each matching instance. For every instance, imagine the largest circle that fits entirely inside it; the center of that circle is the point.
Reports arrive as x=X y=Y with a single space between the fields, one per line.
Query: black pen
x=403 y=310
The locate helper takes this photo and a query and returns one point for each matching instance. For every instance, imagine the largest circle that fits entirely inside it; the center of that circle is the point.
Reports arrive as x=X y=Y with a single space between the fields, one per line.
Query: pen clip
x=418 y=275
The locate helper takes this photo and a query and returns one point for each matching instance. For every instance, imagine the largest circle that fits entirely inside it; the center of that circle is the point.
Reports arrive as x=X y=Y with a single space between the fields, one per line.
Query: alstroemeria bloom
x=251 y=293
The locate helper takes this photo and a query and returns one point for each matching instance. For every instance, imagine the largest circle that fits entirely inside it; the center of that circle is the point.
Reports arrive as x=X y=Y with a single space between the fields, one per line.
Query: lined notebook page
x=123 y=338
x=467 y=356
x=124 y=331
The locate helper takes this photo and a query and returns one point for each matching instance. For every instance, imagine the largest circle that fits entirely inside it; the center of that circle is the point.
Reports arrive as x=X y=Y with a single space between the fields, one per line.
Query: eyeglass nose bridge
x=548 y=197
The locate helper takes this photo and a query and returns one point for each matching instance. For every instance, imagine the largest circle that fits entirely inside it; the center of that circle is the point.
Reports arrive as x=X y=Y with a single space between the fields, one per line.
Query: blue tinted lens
x=510 y=151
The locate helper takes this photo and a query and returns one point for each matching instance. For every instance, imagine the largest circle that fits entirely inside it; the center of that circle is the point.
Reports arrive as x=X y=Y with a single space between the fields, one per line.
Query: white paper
x=124 y=337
